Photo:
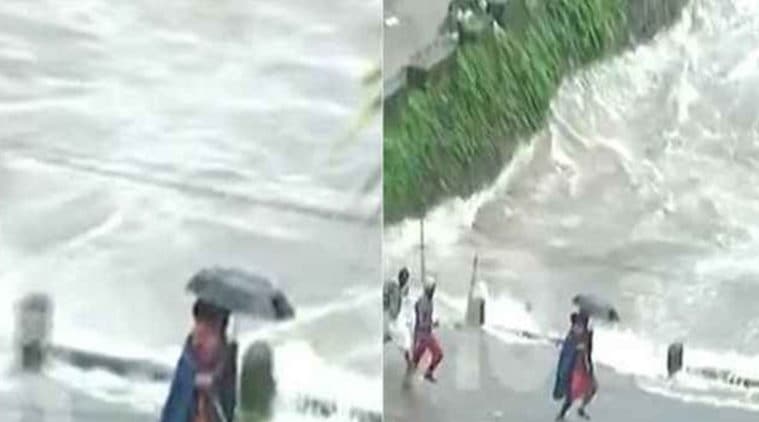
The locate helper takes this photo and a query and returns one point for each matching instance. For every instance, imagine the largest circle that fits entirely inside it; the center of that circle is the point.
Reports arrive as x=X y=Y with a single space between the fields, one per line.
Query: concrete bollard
x=257 y=385
x=475 y=310
x=674 y=358
x=32 y=333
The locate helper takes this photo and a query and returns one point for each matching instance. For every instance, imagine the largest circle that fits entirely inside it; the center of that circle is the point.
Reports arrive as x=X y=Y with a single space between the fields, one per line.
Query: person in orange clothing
x=424 y=339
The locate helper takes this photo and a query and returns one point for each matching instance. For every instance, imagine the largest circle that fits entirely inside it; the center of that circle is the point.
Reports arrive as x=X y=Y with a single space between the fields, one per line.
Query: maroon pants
x=427 y=342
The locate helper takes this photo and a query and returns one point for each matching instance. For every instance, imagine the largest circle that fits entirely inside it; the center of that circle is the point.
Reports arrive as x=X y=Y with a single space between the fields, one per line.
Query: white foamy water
x=639 y=190
x=143 y=142
x=299 y=369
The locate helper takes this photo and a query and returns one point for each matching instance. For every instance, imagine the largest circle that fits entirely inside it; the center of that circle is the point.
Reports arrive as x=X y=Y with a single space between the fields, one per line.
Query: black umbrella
x=595 y=307
x=241 y=292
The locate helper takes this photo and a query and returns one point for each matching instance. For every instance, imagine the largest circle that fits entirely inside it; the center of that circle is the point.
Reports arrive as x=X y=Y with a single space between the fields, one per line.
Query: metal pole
x=474 y=274
x=421 y=243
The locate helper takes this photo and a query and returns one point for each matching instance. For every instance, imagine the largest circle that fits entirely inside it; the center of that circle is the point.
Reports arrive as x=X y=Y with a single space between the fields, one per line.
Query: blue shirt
x=181 y=403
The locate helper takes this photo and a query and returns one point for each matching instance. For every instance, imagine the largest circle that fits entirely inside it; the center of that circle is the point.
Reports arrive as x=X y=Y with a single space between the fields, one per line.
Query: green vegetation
x=454 y=135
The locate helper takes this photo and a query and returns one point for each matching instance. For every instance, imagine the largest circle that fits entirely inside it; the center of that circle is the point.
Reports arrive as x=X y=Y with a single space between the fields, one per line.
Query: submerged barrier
x=675 y=364
x=257 y=386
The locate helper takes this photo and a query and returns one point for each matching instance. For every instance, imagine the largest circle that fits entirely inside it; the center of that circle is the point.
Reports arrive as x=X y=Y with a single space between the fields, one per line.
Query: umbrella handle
x=217 y=407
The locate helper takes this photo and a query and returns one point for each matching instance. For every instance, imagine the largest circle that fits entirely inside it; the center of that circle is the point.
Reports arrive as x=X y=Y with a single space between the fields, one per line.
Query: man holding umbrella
x=205 y=380
x=575 y=375
x=203 y=388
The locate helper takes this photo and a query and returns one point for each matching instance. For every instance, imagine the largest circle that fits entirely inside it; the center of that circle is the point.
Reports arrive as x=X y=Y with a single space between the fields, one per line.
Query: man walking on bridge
x=424 y=339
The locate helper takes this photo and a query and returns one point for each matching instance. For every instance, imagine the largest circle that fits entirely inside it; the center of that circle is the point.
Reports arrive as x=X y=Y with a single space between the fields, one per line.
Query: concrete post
x=33 y=325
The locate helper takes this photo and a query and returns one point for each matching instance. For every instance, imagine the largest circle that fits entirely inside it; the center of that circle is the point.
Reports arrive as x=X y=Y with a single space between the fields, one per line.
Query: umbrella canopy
x=595 y=307
x=241 y=292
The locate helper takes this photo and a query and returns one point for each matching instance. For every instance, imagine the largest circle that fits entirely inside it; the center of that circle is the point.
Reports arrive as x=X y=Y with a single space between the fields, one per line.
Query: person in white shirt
x=401 y=328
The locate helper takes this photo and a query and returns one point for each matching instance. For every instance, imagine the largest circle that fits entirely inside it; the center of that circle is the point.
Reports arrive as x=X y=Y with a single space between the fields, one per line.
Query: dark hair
x=208 y=312
x=574 y=317
x=403 y=276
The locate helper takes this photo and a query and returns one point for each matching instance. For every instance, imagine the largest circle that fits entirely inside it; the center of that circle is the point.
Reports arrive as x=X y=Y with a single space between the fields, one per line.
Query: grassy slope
x=454 y=136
